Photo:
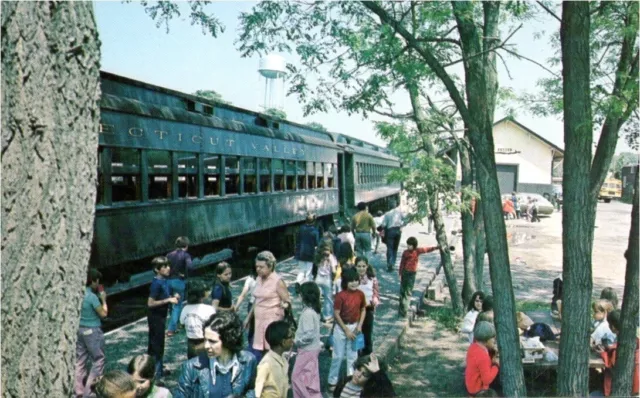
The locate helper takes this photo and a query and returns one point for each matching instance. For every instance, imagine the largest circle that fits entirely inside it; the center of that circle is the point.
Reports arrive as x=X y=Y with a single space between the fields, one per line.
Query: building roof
x=528 y=130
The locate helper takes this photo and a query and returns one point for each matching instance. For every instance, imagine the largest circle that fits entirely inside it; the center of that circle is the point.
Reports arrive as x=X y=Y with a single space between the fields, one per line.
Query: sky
x=187 y=60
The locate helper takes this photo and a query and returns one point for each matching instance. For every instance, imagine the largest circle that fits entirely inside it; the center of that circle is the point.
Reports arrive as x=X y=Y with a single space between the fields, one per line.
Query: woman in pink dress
x=271 y=299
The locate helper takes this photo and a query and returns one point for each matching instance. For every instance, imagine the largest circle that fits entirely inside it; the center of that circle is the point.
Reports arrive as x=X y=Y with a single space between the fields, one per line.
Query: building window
x=329 y=173
x=278 y=177
x=249 y=170
x=187 y=175
x=211 y=175
x=100 y=192
x=159 y=170
x=125 y=175
x=302 y=178
x=290 y=171
x=319 y=176
x=231 y=175
x=265 y=175
x=311 y=178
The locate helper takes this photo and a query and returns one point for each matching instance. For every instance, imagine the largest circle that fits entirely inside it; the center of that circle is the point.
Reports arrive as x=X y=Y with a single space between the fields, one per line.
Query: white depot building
x=525 y=161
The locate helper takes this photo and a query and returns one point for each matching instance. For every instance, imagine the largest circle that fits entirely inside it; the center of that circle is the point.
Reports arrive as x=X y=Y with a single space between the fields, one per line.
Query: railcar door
x=342 y=199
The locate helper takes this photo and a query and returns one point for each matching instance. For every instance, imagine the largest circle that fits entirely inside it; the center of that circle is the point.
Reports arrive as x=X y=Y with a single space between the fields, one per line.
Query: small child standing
x=194 y=315
x=609 y=354
x=305 y=379
x=158 y=304
x=221 y=297
x=407 y=272
x=600 y=325
x=371 y=289
x=349 y=313
x=272 y=380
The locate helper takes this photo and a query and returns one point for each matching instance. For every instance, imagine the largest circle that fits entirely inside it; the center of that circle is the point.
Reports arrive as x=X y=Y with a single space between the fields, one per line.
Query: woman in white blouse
x=474 y=307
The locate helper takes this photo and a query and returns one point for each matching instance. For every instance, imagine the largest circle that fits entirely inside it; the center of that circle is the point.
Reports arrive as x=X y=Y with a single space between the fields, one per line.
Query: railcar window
x=208 y=110
x=125 y=175
x=328 y=172
x=249 y=170
x=359 y=172
x=311 y=171
x=265 y=175
x=319 y=176
x=278 y=178
x=211 y=175
x=232 y=175
x=159 y=170
x=100 y=192
x=187 y=175
x=290 y=171
x=302 y=172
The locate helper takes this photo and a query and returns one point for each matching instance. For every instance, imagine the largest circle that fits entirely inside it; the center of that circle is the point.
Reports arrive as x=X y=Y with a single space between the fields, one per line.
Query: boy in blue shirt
x=158 y=304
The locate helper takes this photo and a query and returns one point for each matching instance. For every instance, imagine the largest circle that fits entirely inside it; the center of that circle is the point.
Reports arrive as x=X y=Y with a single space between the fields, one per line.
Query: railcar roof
x=357 y=145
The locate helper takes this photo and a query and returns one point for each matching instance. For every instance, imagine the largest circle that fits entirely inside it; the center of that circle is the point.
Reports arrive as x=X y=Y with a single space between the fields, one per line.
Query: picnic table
x=595 y=361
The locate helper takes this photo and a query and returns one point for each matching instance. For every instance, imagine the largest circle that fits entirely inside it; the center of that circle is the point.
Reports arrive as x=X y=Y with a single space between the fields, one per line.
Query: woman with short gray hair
x=482 y=369
x=271 y=299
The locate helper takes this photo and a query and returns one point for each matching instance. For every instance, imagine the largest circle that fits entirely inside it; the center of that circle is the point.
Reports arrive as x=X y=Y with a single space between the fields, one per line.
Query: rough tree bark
x=477 y=43
x=469 y=285
x=627 y=340
x=481 y=87
x=50 y=116
x=578 y=205
x=434 y=205
x=481 y=245
x=445 y=254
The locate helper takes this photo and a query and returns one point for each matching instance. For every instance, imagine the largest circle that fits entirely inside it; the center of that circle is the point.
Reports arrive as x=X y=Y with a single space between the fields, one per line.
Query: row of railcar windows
x=176 y=175
x=371 y=173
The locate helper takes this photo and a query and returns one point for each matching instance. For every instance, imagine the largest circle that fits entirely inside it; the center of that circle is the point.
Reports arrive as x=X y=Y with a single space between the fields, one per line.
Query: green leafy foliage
x=164 y=11
x=621 y=160
x=445 y=318
x=317 y=126
x=211 y=95
x=610 y=23
x=276 y=113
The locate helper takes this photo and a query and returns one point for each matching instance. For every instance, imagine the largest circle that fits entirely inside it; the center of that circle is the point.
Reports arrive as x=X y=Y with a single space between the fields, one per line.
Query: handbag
x=358 y=343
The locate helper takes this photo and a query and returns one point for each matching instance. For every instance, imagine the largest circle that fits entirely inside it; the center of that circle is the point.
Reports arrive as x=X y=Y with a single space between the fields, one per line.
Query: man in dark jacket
x=308 y=240
x=180 y=266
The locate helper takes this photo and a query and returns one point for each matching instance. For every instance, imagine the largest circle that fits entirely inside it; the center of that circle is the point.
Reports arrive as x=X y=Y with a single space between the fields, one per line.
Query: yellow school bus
x=610 y=189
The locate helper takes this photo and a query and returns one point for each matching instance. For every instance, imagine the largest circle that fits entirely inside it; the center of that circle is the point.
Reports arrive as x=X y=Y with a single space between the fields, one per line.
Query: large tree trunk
x=469 y=285
x=481 y=86
x=627 y=340
x=579 y=207
x=50 y=115
x=445 y=255
x=481 y=245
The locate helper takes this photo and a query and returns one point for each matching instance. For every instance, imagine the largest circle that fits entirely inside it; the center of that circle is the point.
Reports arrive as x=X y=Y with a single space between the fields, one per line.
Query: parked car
x=545 y=207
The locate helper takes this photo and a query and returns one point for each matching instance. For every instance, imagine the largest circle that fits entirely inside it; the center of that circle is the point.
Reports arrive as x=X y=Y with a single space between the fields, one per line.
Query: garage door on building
x=507 y=177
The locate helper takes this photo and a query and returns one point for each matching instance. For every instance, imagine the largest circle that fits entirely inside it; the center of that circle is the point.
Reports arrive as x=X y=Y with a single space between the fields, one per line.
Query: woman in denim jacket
x=224 y=369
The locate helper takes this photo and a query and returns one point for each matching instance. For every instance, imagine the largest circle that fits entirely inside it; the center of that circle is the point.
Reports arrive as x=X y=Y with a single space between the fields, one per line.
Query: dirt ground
x=430 y=362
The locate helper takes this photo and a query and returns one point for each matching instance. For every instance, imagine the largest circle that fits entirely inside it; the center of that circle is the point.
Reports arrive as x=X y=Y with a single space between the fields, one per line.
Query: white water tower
x=273 y=69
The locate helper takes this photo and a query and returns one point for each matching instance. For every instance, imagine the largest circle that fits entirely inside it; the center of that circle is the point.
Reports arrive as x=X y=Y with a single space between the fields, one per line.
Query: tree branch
x=426 y=54
x=438 y=40
x=553 y=14
x=501 y=45
x=408 y=115
x=519 y=56
x=505 y=65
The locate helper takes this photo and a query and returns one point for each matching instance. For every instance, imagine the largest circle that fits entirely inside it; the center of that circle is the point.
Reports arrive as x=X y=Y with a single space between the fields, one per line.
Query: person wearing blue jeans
x=181 y=265
x=392 y=223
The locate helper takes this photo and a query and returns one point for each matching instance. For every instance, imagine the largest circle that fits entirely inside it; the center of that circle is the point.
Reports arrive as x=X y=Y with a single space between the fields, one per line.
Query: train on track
x=172 y=164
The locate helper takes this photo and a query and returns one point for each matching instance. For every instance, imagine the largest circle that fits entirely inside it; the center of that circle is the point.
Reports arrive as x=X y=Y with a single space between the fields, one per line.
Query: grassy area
x=444 y=317
x=526 y=306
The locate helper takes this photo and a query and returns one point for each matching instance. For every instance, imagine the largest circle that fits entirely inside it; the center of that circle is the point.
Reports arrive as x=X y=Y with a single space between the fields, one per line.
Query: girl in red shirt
x=481 y=369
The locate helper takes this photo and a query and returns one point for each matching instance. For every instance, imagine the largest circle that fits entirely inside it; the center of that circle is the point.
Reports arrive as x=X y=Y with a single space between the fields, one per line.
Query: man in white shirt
x=392 y=223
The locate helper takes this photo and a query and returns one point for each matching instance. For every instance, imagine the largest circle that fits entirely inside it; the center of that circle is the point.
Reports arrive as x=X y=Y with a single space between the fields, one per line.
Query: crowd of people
x=227 y=355
x=482 y=371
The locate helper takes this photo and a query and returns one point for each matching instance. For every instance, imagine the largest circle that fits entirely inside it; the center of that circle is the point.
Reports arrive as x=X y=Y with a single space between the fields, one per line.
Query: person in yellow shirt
x=273 y=380
x=364 y=228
